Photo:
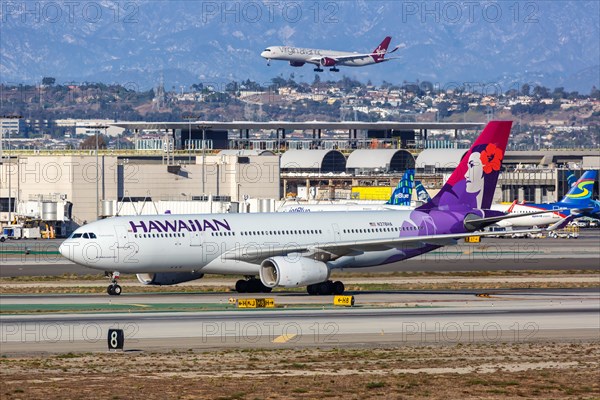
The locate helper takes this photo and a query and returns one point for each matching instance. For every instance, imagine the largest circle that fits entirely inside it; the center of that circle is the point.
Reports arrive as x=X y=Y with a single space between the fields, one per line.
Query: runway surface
x=491 y=254
x=403 y=317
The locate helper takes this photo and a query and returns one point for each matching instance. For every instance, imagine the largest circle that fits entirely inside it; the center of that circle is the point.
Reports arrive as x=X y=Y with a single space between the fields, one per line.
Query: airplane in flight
x=294 y=249
x=399 y=200
x=298 y=56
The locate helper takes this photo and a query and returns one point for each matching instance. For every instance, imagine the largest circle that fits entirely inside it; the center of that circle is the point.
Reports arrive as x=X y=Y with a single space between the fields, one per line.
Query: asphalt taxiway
x=209 y=320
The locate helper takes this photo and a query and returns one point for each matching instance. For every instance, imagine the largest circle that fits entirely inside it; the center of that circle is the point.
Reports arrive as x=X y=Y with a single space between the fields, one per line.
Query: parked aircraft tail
x=402 y=195
x=422 y=194
x=473 y=182
x=580 y=194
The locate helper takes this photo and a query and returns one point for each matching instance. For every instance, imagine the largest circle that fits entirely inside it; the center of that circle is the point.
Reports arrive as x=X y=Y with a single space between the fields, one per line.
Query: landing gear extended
x=325 y=288
x=251 y=285
x=318 y=69
x=113 y=289
x=334 y=69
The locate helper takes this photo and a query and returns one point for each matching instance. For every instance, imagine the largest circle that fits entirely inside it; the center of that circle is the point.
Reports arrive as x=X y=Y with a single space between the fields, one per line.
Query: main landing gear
x=325 y=288
x=334 y=69
x=318 y=69
x=113 y=289
x=251 y=285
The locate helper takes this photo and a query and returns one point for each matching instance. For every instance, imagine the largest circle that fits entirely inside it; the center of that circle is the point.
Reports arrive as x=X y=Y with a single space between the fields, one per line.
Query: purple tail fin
x=473 y=182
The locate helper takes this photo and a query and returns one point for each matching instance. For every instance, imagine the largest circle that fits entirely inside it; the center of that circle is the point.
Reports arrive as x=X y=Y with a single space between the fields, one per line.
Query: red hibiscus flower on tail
x=491 y=158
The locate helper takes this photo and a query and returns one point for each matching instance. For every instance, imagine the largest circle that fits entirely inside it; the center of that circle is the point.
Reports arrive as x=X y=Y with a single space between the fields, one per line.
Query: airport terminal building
x=70 y=188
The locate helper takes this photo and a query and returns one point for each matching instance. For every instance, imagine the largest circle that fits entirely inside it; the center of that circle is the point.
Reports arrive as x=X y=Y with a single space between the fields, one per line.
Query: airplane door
x=195 y=238
x=122 y=236
x=336 y=233
x=125 y=247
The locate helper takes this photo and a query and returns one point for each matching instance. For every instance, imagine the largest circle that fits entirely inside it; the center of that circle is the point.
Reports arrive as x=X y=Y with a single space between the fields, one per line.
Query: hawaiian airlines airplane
x=297 y=56
x=399 y=200
x=294 y=249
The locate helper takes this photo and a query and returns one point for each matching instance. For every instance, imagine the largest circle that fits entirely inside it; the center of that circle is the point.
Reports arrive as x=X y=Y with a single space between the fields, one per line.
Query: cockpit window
x=86 y=236
x=267 y=49
x=76 y=235
x=92 y=235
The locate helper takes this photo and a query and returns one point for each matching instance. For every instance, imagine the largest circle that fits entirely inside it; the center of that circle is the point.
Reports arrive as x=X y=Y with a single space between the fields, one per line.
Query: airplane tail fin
x=571 y=179
x=402 y=195
x=473 y=182
x=422 y=193
x=580 y=194
x=379 y=52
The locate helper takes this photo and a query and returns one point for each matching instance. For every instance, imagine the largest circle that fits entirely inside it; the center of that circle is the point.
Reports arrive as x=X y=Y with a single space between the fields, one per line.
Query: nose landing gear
x=113 y=289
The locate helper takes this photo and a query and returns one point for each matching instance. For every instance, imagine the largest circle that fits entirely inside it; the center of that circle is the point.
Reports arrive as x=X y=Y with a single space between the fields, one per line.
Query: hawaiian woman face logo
x=480 y=164
x=474 y=176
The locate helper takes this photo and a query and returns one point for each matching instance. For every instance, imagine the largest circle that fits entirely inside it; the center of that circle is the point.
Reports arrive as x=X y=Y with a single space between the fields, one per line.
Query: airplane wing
x=331 y=251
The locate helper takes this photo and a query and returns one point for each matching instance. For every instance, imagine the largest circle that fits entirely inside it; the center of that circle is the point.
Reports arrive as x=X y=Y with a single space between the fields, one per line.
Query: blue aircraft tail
x=402 y=195
x=580 y=194
x=422 y=194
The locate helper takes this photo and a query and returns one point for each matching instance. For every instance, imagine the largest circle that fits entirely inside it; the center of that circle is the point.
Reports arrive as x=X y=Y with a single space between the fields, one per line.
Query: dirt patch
x=472 y=371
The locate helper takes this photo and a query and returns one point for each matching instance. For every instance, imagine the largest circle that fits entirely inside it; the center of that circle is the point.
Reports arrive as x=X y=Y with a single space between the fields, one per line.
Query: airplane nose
x=62 y=249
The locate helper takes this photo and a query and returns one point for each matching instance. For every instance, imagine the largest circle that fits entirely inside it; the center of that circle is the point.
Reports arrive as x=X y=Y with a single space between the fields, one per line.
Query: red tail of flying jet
x=379 y=52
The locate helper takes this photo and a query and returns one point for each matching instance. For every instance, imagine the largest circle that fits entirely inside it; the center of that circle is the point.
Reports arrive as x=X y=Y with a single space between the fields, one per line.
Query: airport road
x=491 y=254
x=303 y=321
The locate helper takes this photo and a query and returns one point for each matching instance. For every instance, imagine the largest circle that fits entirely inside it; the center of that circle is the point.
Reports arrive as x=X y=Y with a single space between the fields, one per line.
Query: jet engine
x=297 y=63
x=168 y=278
x=327 y=62
x=292 y=271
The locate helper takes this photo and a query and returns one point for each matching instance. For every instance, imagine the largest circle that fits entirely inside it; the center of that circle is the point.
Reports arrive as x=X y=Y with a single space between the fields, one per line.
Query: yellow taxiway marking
x=284 y=338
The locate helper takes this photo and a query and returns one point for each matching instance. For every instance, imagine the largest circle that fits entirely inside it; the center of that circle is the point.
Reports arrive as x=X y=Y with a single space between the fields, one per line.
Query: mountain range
x=490 y=45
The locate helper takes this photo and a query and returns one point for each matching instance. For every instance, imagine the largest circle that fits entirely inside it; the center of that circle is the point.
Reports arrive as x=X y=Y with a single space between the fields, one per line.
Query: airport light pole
x=204 y=128
x=96 y=129
x=189 y=118
x=10 y=207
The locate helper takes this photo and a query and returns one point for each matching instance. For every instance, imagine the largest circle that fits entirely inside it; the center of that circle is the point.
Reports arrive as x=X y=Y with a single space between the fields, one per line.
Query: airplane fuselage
x=314 y=56
x=529 y=220
x=212 y=243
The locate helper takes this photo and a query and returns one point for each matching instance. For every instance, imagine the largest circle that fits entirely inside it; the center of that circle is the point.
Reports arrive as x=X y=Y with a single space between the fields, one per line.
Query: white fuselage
x=304 y=208
x=526 y=221
x=313 y=56
x=208 y=243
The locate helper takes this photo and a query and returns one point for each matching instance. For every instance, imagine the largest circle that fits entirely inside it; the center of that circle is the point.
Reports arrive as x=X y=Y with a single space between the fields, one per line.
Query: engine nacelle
x=168 y=278
x=292 y=271
x=297 y=63
x=327 y=62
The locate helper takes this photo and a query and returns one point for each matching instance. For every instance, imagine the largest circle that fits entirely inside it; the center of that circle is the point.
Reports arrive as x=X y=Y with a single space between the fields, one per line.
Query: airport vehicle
x=399 y=200
x=295 y=249
x=569 y=232
x=21 y=232
x=297 y=56
x=3 y=237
